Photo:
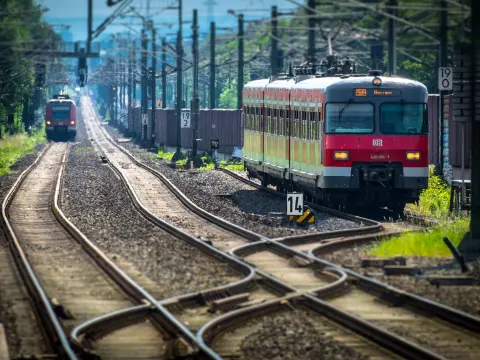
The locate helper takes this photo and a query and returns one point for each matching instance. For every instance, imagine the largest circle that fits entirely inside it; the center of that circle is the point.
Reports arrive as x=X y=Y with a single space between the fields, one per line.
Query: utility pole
x=443 y=63
x=164 y=74
x=240 y=62
x=392 y=38
x=195 y=101
x=144 y=104
x=154 y=85
x=134 y=75
x=90 y=26
x=129 y=77
x=179 y=81
x=274 y=53
x=311 y=34
x=212 y=66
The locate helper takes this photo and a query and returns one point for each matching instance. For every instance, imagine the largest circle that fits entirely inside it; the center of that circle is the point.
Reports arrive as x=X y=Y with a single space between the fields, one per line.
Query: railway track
x=290 y=276
x=70 y=280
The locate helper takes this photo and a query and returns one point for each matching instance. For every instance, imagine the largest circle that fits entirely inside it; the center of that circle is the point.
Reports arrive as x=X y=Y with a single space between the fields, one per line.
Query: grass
x=15 y=147
x=165 y=155
x=425 y=243
x=434 y=203
x=207 y=160
x=79 y=149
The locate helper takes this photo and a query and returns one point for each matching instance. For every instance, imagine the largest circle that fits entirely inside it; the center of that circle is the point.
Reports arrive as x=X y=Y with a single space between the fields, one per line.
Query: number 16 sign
x=294 y=204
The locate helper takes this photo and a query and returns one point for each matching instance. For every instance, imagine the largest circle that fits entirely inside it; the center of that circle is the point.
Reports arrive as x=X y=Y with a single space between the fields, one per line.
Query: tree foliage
x=22 y=33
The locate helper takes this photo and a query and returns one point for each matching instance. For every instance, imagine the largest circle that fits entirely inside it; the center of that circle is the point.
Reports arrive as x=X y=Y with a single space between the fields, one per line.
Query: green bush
x=435 y=200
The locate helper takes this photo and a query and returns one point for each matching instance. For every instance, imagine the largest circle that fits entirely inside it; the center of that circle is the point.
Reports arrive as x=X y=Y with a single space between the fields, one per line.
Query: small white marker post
x=185 y=119
x=445 y=78
x=294 y=204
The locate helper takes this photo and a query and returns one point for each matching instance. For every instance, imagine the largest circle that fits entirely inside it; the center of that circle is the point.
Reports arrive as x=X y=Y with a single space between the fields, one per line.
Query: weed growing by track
x=424 y=243
x=15 y=147
x=207 y=161
x=434 y=203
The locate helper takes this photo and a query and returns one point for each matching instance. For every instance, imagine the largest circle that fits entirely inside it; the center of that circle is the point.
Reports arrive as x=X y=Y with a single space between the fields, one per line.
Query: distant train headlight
x=413 y=155
x=341 y=155
x=72 y=122
x=48 y=122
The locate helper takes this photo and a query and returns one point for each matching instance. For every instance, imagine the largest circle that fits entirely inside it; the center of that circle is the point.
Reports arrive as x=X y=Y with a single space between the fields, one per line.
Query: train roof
x=61 y=101
x=324 y=83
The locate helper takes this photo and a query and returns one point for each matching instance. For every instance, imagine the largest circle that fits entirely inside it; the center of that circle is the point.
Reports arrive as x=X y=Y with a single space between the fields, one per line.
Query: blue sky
x=74 y=13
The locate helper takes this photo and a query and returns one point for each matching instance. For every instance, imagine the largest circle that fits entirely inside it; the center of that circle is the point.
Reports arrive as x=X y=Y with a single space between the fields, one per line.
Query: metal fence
x=217 y=124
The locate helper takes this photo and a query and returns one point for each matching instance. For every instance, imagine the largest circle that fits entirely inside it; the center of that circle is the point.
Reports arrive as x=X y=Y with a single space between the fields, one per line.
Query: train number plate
x=377 y=142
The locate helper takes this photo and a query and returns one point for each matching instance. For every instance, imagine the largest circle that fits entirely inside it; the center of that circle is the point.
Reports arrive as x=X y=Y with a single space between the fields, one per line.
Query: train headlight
x=48 y=122
x=72 y=122
x=341 y=155
x=413 y=155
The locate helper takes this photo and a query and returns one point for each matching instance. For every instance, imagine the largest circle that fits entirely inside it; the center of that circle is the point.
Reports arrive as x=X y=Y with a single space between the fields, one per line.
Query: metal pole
x=164 y=74
x=274 y=41
x=311 y=33
x=134 y=75
x=212 y=66
x=240 y=62
x=392 y=39
x=154 y=86
x=475 y=161
x=129 y=77
x=195 y=101
x=90 y=26
x=443 y=63
x=144 y=84
x=179 y=80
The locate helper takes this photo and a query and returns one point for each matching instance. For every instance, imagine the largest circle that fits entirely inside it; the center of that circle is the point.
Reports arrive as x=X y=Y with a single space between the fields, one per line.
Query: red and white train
x=61 y=117
x=347 y=140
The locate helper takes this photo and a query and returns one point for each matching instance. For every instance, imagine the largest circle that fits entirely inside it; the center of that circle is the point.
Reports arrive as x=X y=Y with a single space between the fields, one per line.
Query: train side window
x=281 y=122
x=312 y=125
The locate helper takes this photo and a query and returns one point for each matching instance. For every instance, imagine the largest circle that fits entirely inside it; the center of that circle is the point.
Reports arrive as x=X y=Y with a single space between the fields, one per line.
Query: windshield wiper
x=344 y=107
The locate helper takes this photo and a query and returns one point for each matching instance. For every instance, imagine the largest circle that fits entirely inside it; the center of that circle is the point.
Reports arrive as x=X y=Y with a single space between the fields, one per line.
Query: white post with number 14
x=294 y=204
x=445 y=78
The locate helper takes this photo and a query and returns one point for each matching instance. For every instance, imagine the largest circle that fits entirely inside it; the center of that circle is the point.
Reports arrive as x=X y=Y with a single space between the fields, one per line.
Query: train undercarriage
x=368 y=196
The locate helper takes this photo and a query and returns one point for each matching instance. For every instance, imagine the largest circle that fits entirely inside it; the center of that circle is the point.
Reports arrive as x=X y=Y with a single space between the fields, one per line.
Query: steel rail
x=445 y=312
x=161 y=317
x=372 y=225
x=367 y=330
x=43 y=306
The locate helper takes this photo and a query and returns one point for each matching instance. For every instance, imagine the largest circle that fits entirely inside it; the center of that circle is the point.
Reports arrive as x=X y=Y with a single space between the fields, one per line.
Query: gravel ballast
x=14 y=299
x=465 y=298
x=97 y=202
x=293 y=335
x=233 y=200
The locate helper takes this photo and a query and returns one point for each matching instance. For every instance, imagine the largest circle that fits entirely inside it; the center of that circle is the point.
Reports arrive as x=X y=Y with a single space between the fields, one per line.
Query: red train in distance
x=61 y=117
x=350 y=140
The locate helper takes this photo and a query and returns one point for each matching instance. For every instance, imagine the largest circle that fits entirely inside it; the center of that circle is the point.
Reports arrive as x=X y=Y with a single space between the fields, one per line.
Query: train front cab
x=60 y=119
x=375 y=141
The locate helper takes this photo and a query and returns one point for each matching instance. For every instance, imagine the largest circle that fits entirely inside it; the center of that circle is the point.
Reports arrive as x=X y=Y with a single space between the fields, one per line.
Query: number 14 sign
x=294 y=204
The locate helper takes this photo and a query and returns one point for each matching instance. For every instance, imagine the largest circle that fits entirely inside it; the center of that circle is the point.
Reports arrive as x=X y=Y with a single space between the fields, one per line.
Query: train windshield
x=60 y=112
x=349 y=118
x=403 y=118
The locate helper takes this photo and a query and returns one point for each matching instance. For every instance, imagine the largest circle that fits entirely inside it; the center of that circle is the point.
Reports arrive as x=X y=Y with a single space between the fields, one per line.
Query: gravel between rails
x=14 y=298
x=294 y=335
x=233 y=200
x=96 y=200
x=465 y=298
